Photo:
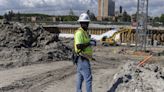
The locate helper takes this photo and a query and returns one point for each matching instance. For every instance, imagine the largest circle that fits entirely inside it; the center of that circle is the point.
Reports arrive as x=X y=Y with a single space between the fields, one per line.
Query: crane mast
x=142 y=30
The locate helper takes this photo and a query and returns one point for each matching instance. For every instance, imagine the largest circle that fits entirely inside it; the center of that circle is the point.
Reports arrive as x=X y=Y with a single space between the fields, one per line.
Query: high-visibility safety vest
x=82 y=37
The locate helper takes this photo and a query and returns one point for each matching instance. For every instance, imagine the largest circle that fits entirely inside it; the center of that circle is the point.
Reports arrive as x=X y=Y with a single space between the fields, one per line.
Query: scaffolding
x=142 y=30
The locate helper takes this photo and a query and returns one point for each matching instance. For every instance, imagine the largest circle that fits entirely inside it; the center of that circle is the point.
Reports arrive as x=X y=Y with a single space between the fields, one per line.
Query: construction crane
x=141 y=30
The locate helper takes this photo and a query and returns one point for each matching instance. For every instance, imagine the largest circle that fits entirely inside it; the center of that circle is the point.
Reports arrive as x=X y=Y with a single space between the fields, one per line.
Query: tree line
x=158 y=20
x=124 y=17
x=12 y=16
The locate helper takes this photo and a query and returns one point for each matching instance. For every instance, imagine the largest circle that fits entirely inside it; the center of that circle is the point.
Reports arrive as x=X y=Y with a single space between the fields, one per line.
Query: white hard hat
x=84 y=18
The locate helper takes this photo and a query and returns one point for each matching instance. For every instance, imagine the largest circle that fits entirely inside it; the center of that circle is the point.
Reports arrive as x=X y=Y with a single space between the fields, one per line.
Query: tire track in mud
x=38 y=82
x=32 y=83
x=64 y=74
x=56 y=75
x=96 y=65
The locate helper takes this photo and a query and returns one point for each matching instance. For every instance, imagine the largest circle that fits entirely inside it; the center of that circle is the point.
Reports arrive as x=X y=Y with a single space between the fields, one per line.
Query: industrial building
x=106 y=9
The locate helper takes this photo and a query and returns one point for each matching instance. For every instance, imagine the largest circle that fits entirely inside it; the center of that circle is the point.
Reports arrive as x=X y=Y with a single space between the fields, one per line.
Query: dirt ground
x=44 y=65
x=61 y=76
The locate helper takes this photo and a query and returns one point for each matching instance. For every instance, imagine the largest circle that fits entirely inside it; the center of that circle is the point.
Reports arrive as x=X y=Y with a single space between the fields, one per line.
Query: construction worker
x=82 y=46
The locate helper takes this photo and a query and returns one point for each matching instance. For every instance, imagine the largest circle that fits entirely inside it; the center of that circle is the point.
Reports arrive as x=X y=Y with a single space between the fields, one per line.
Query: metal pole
x=147 y=10
x=136 y=47
x=145 y=25
x=146 y=29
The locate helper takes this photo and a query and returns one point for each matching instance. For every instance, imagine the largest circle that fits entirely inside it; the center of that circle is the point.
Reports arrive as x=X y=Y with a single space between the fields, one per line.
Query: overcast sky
x=60 y=7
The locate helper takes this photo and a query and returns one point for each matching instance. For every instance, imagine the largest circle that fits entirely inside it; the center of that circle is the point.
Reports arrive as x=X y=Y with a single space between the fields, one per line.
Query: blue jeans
x=84 y=73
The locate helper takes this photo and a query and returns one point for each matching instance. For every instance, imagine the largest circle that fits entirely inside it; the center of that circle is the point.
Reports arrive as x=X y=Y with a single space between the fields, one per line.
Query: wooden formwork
x=153 y=35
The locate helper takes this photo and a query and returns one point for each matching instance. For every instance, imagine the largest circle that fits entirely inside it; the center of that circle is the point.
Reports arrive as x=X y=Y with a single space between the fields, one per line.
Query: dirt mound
x=17 y=36
x=131 y=78
x=23 y=45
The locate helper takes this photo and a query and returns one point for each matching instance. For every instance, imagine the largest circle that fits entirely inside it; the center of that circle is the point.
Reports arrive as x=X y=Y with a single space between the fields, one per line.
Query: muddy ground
x=34 y=60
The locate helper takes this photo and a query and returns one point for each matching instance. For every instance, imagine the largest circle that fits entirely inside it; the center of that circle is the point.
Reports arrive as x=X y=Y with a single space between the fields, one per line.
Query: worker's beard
x=85 y=25
x=85 y=28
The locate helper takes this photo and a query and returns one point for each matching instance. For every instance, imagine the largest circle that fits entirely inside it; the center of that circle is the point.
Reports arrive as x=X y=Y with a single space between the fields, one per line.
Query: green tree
x=126 y=17
x=8 y=16
x=91 y=15
x=134 y=17
x=18 y=16
x=69 y=18
x=162 y=19
x=119 y=18
x=156 y=19
x=1 y=17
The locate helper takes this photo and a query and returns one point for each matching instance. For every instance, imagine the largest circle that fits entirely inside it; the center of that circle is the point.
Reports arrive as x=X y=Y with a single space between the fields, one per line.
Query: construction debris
x=131 y=78
x=22 y=45
x=29 y=55
x=16 y=36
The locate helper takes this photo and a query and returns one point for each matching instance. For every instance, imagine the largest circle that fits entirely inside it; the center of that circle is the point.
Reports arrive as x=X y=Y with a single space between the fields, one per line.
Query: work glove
x=93 y=59
x=93 y=42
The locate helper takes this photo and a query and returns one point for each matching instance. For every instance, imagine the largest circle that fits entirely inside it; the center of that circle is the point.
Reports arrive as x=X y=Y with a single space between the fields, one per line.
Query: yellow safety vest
x=82 y=37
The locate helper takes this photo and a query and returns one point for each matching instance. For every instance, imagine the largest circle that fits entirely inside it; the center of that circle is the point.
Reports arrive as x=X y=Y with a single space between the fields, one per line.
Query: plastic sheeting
x=96 y=37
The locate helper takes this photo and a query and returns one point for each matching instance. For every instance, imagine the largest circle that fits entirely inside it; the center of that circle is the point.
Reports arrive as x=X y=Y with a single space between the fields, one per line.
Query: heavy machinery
x=115 y=39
